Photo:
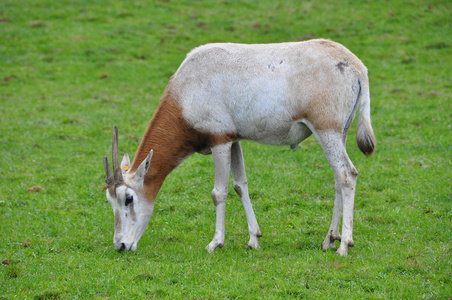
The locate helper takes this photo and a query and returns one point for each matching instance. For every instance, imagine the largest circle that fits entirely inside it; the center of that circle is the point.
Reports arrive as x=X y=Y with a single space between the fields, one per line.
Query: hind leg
x=345 y=175
x=333 y=233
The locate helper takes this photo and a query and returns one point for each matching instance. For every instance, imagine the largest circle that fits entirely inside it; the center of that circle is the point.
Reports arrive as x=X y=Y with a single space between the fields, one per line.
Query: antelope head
x=124 y=192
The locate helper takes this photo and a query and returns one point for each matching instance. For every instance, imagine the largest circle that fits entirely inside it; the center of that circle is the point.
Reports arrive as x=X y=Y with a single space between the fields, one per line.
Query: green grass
x=70 y=70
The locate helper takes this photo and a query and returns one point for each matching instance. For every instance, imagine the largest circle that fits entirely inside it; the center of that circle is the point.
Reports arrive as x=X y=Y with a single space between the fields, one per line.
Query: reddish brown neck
x=172 y=140
x=164 y=135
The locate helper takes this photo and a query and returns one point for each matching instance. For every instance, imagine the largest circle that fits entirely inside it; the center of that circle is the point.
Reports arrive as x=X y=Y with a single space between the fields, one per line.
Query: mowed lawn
x=71 y=70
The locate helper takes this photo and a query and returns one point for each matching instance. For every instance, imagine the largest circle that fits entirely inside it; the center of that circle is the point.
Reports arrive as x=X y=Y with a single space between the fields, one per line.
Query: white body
x=275 y=94
x=257 y=91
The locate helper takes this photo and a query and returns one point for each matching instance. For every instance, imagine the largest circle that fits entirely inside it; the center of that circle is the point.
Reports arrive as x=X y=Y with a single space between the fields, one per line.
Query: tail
x=365 y=136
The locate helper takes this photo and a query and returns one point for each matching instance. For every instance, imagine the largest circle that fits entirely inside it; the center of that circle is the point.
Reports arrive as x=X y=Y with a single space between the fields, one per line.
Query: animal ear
x=144 y=167
x=125 y=163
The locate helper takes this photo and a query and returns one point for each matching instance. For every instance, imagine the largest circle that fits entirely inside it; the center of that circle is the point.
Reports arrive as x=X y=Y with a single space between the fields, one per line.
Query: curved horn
x=115 y=153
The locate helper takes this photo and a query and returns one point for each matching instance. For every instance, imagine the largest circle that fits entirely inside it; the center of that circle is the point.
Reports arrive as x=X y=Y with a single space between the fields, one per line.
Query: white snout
x=121 y=246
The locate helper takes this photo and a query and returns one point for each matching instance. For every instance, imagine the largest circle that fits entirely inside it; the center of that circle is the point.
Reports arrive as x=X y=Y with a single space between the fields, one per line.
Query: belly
x=275 y=134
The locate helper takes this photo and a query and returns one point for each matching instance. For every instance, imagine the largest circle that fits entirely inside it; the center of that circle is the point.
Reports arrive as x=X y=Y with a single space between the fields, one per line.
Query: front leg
x=241 y=187
x=222 y=160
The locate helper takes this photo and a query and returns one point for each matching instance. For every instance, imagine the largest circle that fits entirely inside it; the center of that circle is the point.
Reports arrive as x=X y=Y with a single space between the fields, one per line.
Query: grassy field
x=70 y=70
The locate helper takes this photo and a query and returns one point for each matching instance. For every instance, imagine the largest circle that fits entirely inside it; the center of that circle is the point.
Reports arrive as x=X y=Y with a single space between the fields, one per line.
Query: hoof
x=327 y=244
x=252 y=246
x=253 y=243
x=343 y=249
x=342 y=252
x=212 y=246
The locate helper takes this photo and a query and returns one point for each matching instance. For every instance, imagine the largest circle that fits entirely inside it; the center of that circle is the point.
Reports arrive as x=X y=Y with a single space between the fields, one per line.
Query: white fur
x=131 y=220
x=255 y=90
x=129 y=230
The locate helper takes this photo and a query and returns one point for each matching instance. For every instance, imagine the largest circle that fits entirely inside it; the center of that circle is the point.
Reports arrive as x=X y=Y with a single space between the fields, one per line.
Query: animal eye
x=129 y=200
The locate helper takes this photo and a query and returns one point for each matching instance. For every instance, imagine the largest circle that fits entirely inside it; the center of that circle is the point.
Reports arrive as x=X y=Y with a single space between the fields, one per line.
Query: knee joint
x=219 y=196
x=349 y=176
x=238 y=187
x=238 y=190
